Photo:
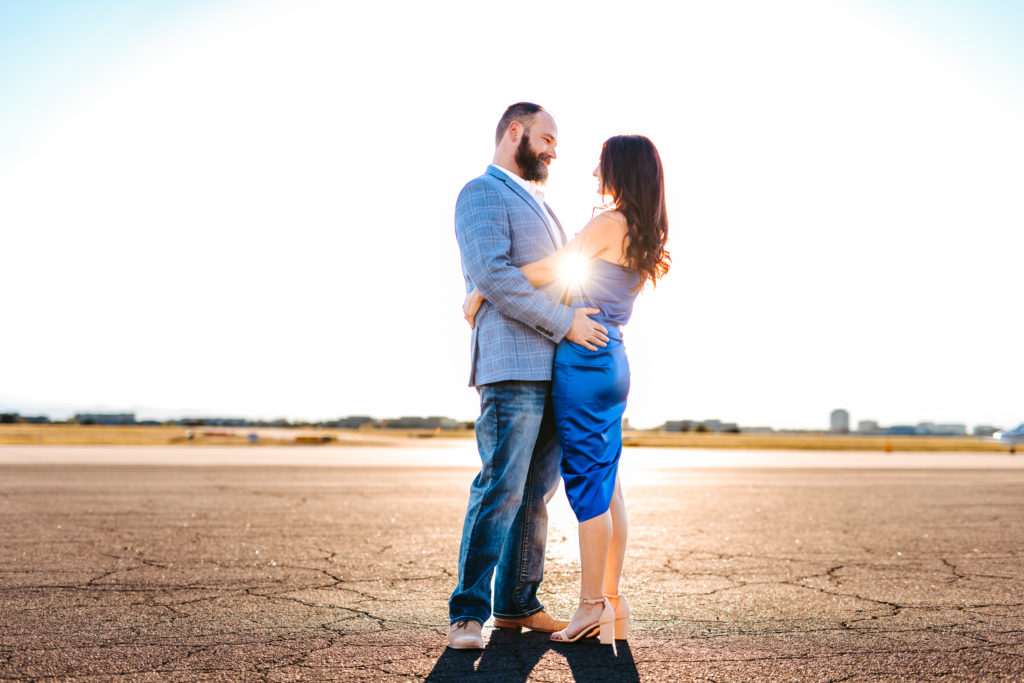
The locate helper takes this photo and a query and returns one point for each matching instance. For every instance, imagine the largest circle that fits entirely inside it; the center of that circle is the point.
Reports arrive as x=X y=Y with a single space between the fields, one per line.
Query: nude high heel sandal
x=621 y=608
x=603 y=628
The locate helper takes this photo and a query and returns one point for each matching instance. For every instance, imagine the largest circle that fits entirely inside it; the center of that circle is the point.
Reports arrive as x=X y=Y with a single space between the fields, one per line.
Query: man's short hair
x=523 y=112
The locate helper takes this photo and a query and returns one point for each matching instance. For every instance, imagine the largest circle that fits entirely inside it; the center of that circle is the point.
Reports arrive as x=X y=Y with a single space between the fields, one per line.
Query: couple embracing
x=552 y=374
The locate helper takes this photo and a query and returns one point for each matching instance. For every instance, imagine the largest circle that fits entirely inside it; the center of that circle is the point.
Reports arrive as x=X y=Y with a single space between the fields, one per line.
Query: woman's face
x=600 y=185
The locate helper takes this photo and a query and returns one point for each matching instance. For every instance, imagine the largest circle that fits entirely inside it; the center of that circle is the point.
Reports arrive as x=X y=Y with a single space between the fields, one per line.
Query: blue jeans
x=506 y=523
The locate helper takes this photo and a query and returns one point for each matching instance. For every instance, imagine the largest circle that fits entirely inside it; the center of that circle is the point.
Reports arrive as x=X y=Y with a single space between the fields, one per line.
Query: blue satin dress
x=589 y=390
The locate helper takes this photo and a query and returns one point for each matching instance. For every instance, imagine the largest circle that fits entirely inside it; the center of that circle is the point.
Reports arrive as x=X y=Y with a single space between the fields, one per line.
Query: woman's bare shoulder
x=604 y=235
x=613 y=215
x=610 y=220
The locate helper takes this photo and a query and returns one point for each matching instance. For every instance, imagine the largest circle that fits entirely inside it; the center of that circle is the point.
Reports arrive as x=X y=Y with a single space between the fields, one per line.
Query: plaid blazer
x=499 y=228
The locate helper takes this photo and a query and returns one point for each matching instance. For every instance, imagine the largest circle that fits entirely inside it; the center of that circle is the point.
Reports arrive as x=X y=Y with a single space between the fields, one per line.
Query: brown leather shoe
x=541 y=621
x=465 y=635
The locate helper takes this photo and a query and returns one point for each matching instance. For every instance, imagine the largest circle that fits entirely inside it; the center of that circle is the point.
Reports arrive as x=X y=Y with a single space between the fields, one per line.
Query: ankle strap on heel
x=592 y=601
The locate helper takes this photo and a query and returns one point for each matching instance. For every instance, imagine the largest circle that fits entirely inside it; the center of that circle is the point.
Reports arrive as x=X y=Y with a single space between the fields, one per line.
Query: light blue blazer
x=500 y=227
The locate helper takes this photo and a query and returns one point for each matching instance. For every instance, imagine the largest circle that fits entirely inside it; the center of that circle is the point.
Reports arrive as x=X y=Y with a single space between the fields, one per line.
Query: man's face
x=536 y=148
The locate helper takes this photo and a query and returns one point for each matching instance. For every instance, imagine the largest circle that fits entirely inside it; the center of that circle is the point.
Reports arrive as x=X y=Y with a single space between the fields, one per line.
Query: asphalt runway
x=146 y=570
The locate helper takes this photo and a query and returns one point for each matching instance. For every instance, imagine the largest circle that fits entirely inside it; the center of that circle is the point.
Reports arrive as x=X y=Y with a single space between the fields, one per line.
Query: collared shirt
x=538 y=197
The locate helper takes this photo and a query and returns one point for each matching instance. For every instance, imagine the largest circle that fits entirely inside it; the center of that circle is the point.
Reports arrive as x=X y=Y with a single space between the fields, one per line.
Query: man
x=502 y=222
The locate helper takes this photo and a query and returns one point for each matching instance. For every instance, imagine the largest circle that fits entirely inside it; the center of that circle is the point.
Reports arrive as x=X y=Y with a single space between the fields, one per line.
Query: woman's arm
x=603 y=235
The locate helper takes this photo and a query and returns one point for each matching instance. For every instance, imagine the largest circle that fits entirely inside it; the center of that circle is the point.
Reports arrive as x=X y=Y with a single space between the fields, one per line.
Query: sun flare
x=573 y=270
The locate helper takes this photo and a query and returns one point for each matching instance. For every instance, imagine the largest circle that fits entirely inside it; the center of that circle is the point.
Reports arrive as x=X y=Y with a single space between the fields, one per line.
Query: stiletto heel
x=621 y=608
x=603 y=628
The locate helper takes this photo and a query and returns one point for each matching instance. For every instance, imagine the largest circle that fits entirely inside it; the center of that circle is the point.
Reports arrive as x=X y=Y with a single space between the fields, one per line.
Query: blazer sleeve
x=485 y=241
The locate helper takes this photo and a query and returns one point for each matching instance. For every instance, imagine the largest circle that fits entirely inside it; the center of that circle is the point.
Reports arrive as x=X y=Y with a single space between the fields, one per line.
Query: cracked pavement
x=229 y=572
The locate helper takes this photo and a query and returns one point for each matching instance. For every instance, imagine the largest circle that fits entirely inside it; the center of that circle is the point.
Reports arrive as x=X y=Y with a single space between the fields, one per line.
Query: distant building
x=105 y=418
x=985 y=430
x=352 y=422
x=902 y=430
x=701 y=426
x=756 y=430
x=953 y=429
x=410 y=422
x=213 y=422
x=839 y=422
x=933 y=429
x=720 y=427
x=869 y=427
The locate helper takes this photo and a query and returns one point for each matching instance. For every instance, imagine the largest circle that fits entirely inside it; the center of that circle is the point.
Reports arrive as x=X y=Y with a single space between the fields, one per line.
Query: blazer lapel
x=558 y=223
x=514 y=186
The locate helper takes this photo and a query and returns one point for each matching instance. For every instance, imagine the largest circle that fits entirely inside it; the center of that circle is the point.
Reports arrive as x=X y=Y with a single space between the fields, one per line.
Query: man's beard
x=530 y=163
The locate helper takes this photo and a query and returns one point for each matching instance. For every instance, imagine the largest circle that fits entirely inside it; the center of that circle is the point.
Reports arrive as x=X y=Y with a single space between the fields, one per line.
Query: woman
x=622 y=249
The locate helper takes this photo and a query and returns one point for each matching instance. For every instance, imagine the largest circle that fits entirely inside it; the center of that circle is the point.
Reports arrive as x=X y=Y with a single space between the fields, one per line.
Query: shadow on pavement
x=511 y=655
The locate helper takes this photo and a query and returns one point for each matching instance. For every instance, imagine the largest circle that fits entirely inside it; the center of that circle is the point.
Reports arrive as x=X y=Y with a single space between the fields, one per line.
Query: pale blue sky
x=52 y=50
x=986 y=35
x=264 y=191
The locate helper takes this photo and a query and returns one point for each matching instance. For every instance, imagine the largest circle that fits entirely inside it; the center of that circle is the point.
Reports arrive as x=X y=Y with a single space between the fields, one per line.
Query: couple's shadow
x=512 y=655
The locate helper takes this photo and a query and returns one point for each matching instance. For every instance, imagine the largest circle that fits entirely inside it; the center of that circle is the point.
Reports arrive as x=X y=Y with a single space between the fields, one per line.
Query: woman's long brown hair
x=632 y=174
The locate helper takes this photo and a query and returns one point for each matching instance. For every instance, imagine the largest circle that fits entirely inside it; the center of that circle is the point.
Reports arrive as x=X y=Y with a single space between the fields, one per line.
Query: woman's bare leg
x=617 y=546
x=595 y=538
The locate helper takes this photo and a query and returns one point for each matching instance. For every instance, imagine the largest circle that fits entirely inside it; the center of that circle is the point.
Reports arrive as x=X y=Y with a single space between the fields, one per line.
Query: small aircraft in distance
x=1010 y=437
